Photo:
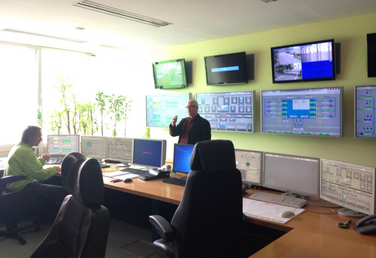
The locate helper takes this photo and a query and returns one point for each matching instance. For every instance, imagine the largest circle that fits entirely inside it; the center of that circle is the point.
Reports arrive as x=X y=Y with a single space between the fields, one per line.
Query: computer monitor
x=249 y=164
x=119 y=149
x=228 y=111
x=94 y=147
x=182 y=157
x=348 y=185
x=365 y=107
x=292 y=174
x=149 y=153
x=60 y=145
x=308 y=112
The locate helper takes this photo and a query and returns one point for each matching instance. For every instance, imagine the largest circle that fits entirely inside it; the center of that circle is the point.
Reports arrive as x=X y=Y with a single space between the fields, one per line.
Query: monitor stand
x=350 y=213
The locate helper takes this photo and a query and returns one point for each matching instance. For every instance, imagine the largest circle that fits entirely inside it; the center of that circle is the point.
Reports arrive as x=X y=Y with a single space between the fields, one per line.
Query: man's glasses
x=190 y=106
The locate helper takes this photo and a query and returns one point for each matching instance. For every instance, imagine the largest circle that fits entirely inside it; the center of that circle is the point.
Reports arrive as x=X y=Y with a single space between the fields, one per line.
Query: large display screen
x=365 y=108
x=313 y=112
x=227 y=111
x=170 y=74
x=162 y=107
x=226 y=69
x=311 y=61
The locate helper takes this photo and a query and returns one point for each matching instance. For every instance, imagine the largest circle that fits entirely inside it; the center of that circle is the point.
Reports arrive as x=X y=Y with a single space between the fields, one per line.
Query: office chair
x=82 y=224
x=13 y=206
x=208 y=220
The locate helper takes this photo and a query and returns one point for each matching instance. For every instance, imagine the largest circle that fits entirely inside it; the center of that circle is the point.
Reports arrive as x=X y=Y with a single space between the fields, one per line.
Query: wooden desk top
x=314 y=233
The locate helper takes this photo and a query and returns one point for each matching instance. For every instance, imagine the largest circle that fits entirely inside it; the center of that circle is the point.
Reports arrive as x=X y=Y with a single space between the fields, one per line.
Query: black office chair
x=82 y=223
x=208 y=220
x=16 y=206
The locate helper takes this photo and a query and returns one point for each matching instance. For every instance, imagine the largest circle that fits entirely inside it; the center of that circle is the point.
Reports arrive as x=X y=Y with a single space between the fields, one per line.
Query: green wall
x=350 y=32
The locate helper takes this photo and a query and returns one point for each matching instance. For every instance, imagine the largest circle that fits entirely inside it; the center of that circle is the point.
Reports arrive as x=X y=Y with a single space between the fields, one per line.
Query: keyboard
x=175 y=181
x=278 y=199
x=54 y=161
x=136 y=171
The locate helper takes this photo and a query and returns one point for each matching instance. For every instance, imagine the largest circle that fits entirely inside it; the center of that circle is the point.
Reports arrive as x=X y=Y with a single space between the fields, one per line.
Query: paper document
x=267 y=211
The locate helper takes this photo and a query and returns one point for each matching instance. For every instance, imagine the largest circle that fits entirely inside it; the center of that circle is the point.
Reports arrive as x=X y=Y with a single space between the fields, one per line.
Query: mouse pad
x=267 y=211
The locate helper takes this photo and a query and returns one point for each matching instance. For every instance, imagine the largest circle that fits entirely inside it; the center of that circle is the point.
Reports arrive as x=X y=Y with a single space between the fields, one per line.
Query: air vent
x=120 y=13
x=43 y=35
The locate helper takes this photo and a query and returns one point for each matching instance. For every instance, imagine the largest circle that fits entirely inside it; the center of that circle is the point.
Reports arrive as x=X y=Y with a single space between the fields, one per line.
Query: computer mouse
x=128 y=180
x=287 y=214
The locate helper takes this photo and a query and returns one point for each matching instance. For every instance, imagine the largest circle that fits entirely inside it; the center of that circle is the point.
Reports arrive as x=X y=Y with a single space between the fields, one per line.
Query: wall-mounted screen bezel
x=170 y=74
x=310 y=61
x=284 y=112
x=226 y=69
x=365 y=111
x=160 y=108
x=228 y=111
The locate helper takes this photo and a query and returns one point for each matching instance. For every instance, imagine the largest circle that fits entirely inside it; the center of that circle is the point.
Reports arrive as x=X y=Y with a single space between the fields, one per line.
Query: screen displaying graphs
x=161 y=108
x=315 y=111
x=365 y=111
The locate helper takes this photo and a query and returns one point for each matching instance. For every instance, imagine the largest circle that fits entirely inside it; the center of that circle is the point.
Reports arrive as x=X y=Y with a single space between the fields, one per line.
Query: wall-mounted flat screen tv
x=160 y=108
x=170 y=74
x=365 y=111
x=227 y=111
x=310 y=112
x=226 y=69
x=311 y=61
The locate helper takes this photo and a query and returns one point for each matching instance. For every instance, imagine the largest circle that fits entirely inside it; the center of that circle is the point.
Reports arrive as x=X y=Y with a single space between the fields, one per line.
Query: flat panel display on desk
x=311 y=61
x=226 y=69
x=365 y=109
x=170 y=74
x=371 y=54
x=227 y=111
x=162 y=107
x=312 y=111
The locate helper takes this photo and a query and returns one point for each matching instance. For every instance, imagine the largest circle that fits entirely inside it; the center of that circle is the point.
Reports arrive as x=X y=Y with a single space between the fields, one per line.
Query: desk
x=314 y=233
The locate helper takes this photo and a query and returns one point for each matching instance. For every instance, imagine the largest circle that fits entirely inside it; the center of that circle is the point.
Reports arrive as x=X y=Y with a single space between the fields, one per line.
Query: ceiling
x=192 y=21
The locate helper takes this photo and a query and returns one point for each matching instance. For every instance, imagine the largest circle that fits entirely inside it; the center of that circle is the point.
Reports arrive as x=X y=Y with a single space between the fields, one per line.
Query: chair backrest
x=208 y=220
x=82 y=223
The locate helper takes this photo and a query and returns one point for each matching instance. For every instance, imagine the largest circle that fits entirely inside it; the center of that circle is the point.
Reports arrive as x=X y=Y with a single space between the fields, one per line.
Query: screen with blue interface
x=249 y=164
x=61 y=145
x=161 y=108
x=313 y=111
x=182 y=157
x=227 y=111
x=348 y=185
x=149 y=152
x=119 y=149
x=94 y=147
x=365 y=111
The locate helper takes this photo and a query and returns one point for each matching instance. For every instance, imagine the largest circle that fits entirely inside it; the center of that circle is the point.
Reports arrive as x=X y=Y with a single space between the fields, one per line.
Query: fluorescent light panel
x=120 y=13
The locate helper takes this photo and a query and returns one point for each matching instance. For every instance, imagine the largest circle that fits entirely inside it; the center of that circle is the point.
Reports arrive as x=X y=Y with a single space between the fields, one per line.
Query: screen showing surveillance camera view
x=303 y=62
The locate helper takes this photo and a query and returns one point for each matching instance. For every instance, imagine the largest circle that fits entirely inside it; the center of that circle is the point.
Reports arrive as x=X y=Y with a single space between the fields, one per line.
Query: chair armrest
x=163 y=227
x=11 y=179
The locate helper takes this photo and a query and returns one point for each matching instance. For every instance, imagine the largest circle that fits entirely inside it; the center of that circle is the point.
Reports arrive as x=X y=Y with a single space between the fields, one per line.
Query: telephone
x=366 y=225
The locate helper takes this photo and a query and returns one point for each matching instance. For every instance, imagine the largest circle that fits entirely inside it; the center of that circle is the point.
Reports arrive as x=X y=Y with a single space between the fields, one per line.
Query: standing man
x=23 y=161
x=193 y=128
